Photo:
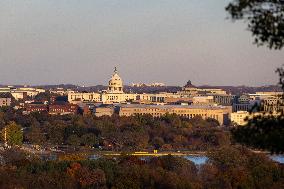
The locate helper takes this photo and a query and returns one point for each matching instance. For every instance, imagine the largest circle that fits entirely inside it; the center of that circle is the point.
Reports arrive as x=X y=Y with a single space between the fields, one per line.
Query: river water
x=199 y=160
x=278 y=158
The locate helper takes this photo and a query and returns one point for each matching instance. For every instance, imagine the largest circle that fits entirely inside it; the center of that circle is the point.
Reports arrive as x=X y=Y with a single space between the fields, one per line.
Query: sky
x=170 y=41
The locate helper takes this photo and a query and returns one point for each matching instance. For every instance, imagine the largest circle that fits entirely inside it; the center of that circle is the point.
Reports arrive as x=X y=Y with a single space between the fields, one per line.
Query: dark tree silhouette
x=280 y=71
x=264 y=131
x=265 y=20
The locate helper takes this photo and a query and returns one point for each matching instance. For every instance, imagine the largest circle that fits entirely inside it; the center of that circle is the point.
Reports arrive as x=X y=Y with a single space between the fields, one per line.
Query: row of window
x=61 y=110
x=183 y=115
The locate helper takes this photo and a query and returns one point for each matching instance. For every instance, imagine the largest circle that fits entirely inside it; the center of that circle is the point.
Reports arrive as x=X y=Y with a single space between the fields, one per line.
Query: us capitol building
x=115 y=94
x=114 y=100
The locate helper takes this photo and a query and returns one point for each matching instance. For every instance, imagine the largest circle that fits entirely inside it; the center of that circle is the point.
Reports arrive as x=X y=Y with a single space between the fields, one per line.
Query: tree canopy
x=264 y=131
x=266 y=22
x=226 y=167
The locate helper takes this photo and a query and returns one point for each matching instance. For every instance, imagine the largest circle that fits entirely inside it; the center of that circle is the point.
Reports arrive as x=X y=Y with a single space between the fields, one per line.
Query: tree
x=89 y=139
x=238 y=167
x=262 y=132
x=265 y=18
x=2 y=119
x=158 y=142
x=14 y=156
x=73 y=140
x=87 y=178
x=35 y=135
x=280 y=71
x=266 y=22
x=231 y=165
x=56 y=133
x=13 y=134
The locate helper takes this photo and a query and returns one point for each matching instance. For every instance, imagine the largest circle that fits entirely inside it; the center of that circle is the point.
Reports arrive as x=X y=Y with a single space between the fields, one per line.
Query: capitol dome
x=115 y=84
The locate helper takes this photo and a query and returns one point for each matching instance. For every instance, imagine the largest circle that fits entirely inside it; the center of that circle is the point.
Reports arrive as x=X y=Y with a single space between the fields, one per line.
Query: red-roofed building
x=36 y=107
x=62 y=109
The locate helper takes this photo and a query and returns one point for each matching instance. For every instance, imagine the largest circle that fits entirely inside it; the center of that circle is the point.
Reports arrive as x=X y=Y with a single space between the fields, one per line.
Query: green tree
x=13 y=134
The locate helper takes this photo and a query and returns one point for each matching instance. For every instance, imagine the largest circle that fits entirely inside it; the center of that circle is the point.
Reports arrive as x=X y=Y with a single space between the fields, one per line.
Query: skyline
x=51 y=42
x=129 y=84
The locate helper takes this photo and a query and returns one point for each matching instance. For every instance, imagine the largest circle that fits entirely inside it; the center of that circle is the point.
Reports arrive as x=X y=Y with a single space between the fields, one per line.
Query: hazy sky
x=170 y=41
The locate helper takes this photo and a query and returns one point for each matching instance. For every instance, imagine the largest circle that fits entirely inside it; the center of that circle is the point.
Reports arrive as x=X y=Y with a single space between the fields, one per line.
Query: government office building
x=220 y=113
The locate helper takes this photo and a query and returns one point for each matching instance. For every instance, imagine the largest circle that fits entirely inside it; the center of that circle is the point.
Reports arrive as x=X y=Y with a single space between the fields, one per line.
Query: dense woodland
x=262 y=132
x=226 y=168
x=169 y=132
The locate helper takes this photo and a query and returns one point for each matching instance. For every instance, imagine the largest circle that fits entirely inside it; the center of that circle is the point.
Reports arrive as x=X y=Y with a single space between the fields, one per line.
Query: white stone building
x=115 y=94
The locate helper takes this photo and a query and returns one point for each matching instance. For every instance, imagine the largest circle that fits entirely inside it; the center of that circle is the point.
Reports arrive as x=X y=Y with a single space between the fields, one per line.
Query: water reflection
x=197 y=160
x=94 y=157
x=278 y=158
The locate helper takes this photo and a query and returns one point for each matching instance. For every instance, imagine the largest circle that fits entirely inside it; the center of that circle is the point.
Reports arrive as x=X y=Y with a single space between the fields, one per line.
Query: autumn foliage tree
x=86 y=177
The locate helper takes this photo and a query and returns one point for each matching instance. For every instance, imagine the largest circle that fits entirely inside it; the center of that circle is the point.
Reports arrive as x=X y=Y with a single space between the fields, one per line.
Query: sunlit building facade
x=220 y=113
x=115 y=94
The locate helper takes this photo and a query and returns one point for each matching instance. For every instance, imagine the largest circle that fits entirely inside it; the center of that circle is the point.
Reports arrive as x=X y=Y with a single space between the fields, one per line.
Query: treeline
x=117 y=133
x=264 y=132
x=226 y=168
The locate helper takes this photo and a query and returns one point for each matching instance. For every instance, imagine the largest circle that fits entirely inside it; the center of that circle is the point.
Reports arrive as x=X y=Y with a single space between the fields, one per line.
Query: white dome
x=115 y=84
